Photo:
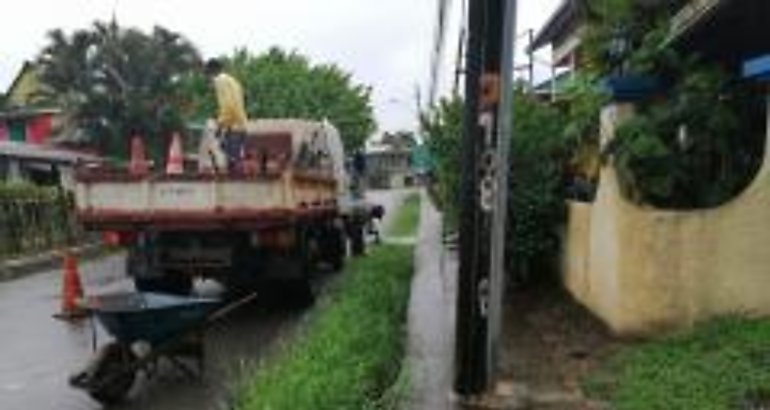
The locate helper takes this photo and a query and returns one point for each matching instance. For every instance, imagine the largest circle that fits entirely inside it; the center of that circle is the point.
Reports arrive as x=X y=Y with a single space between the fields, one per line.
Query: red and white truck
x=288 y=208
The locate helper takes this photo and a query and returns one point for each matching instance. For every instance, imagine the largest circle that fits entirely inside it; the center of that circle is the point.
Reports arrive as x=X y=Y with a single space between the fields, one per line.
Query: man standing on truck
x=231 y=118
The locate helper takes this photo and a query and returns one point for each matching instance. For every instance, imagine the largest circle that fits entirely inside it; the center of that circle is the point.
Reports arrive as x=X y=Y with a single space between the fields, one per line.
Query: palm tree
x=117 y=81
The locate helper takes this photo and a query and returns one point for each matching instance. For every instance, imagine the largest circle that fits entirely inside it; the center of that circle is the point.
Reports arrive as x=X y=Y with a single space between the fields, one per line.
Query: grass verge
x=407 y=218
x=721 y=365
x=352 y=350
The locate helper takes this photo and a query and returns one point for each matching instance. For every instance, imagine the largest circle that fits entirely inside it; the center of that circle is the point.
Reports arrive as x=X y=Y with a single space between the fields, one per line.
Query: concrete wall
x=642 y=270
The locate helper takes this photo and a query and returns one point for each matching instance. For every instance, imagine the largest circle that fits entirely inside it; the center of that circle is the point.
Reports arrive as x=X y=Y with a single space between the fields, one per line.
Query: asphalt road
x=38 y=353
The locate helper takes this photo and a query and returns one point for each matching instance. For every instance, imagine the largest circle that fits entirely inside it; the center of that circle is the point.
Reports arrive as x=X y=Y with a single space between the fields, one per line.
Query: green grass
x=721 y=365
x=406 y=220
x=351 y=353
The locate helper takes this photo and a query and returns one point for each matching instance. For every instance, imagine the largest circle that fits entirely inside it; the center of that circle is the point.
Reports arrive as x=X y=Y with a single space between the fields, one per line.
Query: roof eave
x=555 y=24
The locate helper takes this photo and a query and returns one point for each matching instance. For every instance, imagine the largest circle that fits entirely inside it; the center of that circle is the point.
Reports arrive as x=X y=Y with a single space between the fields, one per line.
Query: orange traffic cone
x=138 y=164
x=72 y=290
x=175 y=163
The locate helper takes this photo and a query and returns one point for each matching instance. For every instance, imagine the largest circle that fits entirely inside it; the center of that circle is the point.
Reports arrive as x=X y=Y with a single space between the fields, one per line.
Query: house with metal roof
x=642 y=268
x=389 y=161
x=728 y=31
x=39 y=164
x=30 y=136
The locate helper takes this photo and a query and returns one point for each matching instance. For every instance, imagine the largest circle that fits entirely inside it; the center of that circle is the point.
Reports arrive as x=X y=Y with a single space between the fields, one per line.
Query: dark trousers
x=232 y=144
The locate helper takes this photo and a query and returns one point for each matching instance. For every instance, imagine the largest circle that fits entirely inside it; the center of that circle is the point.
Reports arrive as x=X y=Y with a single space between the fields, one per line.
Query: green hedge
x=34 y=219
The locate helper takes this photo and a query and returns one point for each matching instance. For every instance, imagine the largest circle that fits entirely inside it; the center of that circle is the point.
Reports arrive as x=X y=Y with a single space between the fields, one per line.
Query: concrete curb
x=18 y=267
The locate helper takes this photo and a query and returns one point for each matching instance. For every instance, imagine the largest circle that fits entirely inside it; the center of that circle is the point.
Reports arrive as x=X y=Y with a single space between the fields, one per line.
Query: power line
x=438 y=49
x=460 y=46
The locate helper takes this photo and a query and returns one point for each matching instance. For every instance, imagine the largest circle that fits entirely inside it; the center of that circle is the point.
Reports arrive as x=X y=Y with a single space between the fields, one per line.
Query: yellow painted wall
x=23 y=91
x=642 y=270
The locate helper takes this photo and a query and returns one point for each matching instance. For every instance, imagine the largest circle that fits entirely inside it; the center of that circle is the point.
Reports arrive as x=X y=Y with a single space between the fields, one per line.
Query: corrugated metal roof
x=21 y=113
x=43 y=153
x=566 y=18
x=691 y=15
x=555 y=25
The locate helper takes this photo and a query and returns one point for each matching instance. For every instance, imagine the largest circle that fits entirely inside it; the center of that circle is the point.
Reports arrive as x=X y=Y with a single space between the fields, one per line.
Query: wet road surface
x=38 y=353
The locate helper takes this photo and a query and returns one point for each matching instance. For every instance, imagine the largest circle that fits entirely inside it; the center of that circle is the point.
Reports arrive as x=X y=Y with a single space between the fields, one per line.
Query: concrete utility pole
x=489 y=71
x=500 y=217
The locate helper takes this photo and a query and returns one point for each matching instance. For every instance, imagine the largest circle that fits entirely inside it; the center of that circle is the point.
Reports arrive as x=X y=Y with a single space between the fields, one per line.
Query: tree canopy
x=282 y=84
x=118 y=81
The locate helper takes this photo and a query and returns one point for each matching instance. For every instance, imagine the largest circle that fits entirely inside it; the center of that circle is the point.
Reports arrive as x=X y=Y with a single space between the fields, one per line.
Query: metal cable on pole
x=460 y=46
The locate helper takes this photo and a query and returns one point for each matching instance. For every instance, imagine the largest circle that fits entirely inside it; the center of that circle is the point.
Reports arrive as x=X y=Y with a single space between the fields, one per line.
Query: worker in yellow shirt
x=231 y=118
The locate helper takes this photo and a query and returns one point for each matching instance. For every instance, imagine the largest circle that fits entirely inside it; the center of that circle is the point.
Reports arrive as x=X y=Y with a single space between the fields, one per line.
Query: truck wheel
x=334 y=248
x=301 y=288
x=357 y=240
x=171 y=282
x=113 y=374
x=301 y=293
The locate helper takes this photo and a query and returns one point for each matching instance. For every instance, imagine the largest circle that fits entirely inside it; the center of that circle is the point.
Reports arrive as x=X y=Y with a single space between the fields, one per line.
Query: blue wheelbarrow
x=146 y=327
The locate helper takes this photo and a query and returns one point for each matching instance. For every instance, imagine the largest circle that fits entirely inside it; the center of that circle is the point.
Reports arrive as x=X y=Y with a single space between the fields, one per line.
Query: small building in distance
x=389 y=161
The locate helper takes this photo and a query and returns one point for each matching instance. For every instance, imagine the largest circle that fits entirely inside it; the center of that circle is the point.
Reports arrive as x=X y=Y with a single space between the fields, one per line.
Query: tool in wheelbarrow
x=146 y=328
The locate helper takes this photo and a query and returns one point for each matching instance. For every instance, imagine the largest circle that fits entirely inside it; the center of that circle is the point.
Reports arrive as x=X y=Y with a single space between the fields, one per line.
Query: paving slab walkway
x=430 y=348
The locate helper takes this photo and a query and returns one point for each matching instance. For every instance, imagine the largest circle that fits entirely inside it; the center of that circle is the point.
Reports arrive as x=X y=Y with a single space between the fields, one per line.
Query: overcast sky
x=385 y=44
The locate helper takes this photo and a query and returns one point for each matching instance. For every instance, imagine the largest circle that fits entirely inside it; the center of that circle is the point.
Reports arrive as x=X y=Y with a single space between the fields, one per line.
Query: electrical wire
x=438 y=49
x=460 y=58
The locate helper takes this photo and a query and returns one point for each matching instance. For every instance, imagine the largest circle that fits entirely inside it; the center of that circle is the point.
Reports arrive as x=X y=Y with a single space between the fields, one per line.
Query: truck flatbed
x=119 y=201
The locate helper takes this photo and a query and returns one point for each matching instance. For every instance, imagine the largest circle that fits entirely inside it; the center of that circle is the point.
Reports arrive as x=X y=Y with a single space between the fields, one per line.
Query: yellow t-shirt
x=232 y=114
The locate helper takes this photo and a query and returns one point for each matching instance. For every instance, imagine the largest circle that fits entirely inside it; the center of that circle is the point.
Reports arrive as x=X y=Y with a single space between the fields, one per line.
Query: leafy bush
x=442 y=128
x=538 y=153
x=33 y=219
x=696 y=144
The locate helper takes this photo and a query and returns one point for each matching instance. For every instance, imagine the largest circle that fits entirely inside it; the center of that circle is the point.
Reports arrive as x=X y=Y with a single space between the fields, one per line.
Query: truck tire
x=301 y=293
x=334 y=248
x=302 y=290
x=357 y=240
x=114 y=374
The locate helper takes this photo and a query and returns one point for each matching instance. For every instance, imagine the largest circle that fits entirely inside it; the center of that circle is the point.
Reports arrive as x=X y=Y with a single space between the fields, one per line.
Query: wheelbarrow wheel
x=114 y=374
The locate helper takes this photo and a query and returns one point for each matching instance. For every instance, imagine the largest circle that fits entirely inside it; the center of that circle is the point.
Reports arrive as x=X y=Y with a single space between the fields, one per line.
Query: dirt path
x=550 y=344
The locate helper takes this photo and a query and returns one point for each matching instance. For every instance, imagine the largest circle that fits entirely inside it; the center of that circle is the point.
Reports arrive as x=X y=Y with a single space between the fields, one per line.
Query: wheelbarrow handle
x=224 y=311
